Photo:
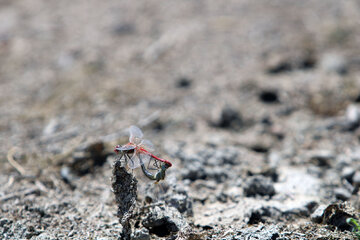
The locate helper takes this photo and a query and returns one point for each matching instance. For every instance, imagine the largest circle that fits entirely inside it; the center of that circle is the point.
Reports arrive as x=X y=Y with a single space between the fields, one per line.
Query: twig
x=10 y=158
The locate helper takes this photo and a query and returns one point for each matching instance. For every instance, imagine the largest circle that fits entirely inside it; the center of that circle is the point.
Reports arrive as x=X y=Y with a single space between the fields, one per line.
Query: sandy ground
x=256 y=104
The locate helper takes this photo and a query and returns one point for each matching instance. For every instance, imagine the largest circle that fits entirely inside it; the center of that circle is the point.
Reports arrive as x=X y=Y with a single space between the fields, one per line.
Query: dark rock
x=163 y=220
x=216 y=173
x=4 y=221
x=259 y=148
x=283 y=63
x=31 y=232
x=322 y=158
x=196 y=171
x=259 y=185
x=229 y=119
x=182 y=203
x=342 y=194
x=300 y=211
x=277 y=64
x=307 y=61
x=87 y=157
x=124 y=186
x=269 y=96
x=183 y=82
x=336 y=215
x=261 y=214
x=317 y=215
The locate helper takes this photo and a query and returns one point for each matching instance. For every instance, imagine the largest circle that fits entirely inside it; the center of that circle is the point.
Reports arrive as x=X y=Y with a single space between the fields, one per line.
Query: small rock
x=342 y=194
x=334 y=63
x=163 y=220
x=336 y=215
x=4 y=221
x=317 y=215
x=216 y=173
x=300 y=210
x=356 y=178
x=87 y=157
x=141 y=234
x=259 y=185
x=229 y=118
x=322 y=158
x=277 y=63
x=261 y=214
x=348 y=173
x=352 y=118
x=196 y=171
x=269 y=96
x=183 y=82
x=182 y=203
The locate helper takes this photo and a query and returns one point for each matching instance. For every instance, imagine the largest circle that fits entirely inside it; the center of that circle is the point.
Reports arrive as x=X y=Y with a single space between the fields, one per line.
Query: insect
x=160 y=175
x=138 y=152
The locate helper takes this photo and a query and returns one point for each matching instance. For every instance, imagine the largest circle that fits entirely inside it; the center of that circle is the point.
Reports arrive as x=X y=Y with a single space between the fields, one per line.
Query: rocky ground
x=256 y=104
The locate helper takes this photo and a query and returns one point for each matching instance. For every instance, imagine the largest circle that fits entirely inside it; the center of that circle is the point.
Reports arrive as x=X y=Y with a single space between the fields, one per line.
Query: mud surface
x=256 y=104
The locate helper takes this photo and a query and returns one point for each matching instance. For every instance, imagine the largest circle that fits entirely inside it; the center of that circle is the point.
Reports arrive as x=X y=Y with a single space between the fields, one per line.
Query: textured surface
x=230 y=92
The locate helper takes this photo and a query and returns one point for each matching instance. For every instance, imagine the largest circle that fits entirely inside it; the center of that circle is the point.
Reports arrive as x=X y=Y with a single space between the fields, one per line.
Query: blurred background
x=261 y=78
x=93 y=68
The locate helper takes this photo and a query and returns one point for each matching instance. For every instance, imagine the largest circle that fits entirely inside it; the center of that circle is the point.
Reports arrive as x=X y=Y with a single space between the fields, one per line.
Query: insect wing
x=135 y=160
x=147 y=145
x=136 y=135
x=144 y=158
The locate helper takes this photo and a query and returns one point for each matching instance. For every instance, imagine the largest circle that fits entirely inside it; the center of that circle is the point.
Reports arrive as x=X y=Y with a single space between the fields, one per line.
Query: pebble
x=141 y=234
x=259 y=185
x=196 y=171
x=334 y=63
x=165 y=220
x=322 y=158
x=182 y=203
x=317 y=215
x=352 y=118
x=356 y=178
x=261 y=213
x=277 y=63
x=183 y=82
x=342 y=194
x=269 y=96
x=348 y=173
x=229 y=118
x=4 y=221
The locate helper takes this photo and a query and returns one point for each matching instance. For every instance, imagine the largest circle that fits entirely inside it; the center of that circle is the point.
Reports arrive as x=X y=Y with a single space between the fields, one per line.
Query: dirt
x=256 y=104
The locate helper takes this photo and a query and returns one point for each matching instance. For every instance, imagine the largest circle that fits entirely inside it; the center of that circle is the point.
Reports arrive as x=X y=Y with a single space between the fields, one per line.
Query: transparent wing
x=137 y=158
x=147 y=145
x=133 y=160
x=145 y=158
x=135 y=134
